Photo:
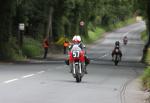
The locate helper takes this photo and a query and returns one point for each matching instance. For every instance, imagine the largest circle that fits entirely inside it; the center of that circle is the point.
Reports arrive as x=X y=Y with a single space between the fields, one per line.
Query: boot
x=87 y=61
x=67 y=62
x=85 y=71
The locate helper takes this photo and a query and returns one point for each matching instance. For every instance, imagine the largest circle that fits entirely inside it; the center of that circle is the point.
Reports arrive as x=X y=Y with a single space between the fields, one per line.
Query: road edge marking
x=12 y=80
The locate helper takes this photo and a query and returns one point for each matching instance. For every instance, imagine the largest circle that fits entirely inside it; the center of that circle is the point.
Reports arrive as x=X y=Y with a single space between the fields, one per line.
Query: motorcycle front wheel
x=78 y=75
x=78 y=79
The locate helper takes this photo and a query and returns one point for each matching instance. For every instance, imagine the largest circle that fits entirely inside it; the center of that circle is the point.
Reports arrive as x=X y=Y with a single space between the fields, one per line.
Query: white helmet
x=76 y=39
x=79 y=38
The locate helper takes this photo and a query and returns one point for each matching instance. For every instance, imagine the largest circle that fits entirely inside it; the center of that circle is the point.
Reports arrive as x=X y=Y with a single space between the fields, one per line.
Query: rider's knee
x=67 y=62
x=87 y=61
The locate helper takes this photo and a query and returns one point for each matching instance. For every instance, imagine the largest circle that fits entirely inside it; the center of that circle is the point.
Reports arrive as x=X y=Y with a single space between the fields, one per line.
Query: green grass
x=146 y=78
x=11 y=51
x=98 y=32
x=147 y=60
x=32 y=48
x=146 y=74
x=144 y=36
x=122 y=23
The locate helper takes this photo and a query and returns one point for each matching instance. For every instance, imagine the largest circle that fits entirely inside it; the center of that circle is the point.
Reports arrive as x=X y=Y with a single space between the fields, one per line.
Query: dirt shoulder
x=135 y=94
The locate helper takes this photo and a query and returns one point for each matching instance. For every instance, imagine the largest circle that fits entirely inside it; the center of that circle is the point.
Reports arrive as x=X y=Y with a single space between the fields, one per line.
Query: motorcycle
x=116 y=57
x=125 y=40
x=77 y=63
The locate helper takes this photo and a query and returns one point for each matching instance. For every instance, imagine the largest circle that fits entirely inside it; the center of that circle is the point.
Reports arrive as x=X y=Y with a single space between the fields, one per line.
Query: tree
x=7 y=12
x=145 y=12
x=58 y=17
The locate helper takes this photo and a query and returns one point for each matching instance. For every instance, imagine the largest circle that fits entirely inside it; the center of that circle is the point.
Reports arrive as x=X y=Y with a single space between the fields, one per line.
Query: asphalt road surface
x=52 y=82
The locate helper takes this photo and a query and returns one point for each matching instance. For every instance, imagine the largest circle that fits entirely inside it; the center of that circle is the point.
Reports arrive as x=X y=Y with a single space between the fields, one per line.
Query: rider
x=117 y=46
x=77 y=40
x=125 y=39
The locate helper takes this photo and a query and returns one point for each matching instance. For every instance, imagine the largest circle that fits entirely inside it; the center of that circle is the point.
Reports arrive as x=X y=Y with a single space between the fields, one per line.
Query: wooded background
x=59 y=18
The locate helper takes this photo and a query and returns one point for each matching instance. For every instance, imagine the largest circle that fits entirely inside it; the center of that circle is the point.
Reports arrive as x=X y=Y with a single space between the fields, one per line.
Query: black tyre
x=78 y=76
x=116 y=59
x=116 y=63
x=78 y=79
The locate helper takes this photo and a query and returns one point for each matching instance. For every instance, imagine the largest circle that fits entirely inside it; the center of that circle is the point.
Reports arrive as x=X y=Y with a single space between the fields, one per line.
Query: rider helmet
x=76 y=39
x=117 y=43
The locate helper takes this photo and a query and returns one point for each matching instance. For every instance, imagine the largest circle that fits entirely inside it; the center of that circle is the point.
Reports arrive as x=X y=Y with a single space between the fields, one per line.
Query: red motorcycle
x=77 y=63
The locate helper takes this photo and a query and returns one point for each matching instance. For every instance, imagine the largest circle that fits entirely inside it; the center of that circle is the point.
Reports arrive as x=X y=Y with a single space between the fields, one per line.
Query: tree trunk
x=49 y=27
x=5 y=28
x=147 y=45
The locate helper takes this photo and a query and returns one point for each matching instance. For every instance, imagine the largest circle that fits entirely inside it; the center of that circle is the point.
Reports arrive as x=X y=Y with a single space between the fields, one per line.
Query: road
x=52 y=82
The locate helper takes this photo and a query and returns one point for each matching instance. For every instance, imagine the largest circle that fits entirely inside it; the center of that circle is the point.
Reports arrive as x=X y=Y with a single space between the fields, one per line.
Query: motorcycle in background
x=125 y=40
x=116 y=57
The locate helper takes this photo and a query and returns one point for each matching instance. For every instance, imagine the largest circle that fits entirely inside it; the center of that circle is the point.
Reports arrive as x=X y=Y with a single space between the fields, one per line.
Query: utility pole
x=82 y=28
x=21 y=33
x=49 y=26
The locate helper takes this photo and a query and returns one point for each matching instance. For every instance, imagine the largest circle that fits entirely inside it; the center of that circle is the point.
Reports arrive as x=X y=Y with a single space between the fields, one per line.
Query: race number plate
x=76 y=54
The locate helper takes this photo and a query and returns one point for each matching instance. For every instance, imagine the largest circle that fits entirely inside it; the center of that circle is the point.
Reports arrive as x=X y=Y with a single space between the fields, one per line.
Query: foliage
x=144 y=36
x=61 y=41
x=66 y=16
x=147 y=60
x=142 y=8
x=11 y=51
x=31 y=48
x=122 y=23
x=146 y=78
x=97 y=32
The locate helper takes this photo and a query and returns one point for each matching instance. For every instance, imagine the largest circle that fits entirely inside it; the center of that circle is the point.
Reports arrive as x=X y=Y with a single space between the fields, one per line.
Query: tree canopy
x=59 y=18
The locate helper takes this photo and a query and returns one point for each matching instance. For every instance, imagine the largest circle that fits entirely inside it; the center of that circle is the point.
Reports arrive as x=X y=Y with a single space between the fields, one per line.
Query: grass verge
x=31 y=48
x=94 y=35
x=144 y=36
x=146 y=75
x=146 y=78
x=98 y=32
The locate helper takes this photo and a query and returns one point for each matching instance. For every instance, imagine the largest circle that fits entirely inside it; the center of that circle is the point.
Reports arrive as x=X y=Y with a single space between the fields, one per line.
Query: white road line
x=12 y=80
x=26 y=76
x=40 y=72
x=103 y=56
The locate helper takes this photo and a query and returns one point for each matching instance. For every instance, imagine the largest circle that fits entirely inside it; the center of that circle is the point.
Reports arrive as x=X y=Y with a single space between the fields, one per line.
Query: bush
x=147 y=59
x=144 y=36
x=146 y=74
x=96 y=33
x=31 y=48
x=146 y=78
x=10 y=50
x=122 y=23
